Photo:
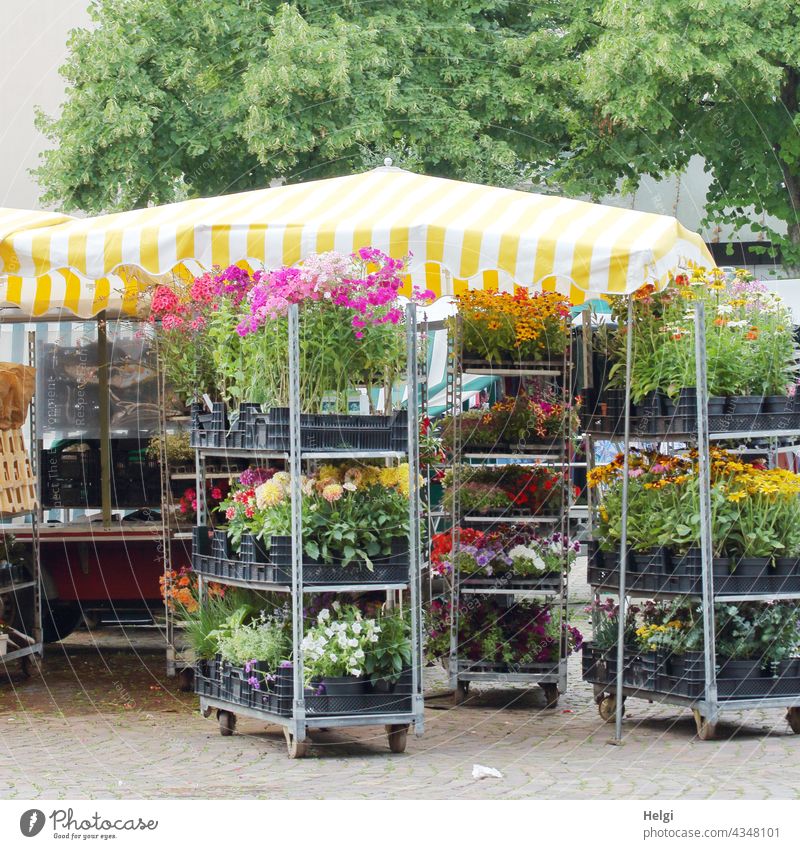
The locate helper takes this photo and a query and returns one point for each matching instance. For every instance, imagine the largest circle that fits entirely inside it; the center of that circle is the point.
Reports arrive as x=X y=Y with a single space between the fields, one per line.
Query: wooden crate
x=17 y=483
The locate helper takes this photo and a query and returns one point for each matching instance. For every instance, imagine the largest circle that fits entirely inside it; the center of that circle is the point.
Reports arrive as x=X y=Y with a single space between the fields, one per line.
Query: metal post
x=105 y=421
x=299 y=705
x=455 y=399
x=413 y=515
x=36 y=512
x=623 y=541
x=706 y=542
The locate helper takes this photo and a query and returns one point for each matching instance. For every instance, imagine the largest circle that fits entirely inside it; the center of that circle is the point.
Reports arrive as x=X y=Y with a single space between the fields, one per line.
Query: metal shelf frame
x=554 y=454
x=298 y=724
x=708 y=709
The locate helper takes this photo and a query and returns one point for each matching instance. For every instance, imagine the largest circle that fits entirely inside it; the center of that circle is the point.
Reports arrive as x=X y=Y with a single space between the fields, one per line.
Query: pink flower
x=230 y=513
x=216 y=493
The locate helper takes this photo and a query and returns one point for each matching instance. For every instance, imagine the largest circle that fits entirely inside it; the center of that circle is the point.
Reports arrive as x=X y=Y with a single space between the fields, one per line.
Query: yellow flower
x=269 y=494
x=330 y=472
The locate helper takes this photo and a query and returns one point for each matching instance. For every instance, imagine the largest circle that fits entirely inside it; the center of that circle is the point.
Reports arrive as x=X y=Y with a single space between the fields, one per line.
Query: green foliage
x=263 y=639
x=168 y=99
x=203 y=626
x=668 y=79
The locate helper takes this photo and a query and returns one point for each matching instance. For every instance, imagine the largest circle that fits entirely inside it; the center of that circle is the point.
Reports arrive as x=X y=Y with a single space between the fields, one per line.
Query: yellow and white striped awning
x=458 y=234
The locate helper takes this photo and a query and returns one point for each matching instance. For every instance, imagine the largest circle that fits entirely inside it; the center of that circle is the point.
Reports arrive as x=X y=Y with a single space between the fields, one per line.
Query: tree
x=667 y=79
x=176 y=98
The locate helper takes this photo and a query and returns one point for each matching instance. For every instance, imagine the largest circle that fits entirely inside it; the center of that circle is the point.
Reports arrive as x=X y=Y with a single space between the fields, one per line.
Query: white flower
x=323 y=616
x=356 y=629
x=373 y=638
x=359 y=654
x=352 y=642
x=741 y=323
x=349 y=486
x=333 y=657
x=724 y=309
x=336 y=606
x=329 y=632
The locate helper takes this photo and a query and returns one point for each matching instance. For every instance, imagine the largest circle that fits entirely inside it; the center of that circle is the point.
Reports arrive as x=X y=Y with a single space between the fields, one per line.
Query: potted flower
x=352 y=515
x=226 y=332
x=750 y=349
x=532 y=327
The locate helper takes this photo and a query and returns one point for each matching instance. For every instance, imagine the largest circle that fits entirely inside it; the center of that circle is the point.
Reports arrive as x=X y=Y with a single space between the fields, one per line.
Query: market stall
x=457 y=237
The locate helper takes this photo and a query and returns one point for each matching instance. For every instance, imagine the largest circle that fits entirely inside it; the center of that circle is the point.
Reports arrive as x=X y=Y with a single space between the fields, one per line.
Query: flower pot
x=716 y=405
x=786 y=567
x=344 y=685
x=744 y=405
x=743 y=669
x=751 y=567
x=777 y=404
x=650 y=406
x=687 y=400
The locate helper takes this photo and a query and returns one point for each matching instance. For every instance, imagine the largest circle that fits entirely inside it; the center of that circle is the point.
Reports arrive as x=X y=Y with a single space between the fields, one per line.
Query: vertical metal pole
x=299 y=712
x=706 y=542
x=35 y=513
x=454 y=382
x=413 y=514
x=623 y=541
x=105 y=421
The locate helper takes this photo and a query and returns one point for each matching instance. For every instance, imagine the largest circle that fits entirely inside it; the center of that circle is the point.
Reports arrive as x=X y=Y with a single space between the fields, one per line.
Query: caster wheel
x=295 y=748
x=793 y=718
x=607 y=707
x=551 y=695
x=227 y=722
x=705 y=730
x=461 y=692
x=206 y=712
x=186 y=680
x=398 y=737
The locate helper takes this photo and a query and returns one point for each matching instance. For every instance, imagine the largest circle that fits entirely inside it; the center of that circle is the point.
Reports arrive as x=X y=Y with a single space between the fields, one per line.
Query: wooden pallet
x=17 y=483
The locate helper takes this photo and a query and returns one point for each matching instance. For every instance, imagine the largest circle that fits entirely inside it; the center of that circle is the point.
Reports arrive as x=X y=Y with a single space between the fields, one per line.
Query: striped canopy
x=459 y=235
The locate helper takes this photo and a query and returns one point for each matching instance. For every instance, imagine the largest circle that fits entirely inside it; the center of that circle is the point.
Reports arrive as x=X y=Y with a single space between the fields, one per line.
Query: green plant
x=350 y=513
x=178 y=448
x=750 y=347
x=204 y=624
x=265 y=639
x=338 y=643
x=391 y=653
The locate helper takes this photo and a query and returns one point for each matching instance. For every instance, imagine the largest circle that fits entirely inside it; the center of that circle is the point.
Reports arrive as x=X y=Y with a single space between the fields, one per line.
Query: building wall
x=34 y=38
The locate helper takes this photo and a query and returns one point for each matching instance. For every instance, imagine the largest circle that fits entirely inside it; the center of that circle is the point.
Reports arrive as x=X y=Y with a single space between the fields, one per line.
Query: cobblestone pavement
x=103 y=721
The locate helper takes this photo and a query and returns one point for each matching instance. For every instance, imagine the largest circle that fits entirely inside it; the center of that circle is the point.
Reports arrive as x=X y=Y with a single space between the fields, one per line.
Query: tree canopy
x=675 y=78
x=172 y=99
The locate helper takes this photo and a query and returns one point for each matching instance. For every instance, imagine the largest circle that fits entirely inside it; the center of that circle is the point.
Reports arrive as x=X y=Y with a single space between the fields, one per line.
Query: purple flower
x=253 y=682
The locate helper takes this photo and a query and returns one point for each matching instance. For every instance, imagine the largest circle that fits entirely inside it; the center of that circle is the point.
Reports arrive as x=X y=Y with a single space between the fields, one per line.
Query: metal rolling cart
x=708 y=706
x=551 y=677
x=298 y=721
x=25 y=641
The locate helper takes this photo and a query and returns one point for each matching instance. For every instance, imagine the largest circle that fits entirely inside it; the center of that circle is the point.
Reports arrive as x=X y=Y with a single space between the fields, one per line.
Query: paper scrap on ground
x=479 y=771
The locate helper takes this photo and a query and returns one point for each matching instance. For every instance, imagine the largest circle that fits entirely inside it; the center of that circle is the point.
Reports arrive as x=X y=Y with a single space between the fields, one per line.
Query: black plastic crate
x=275 y=695
x=681 y=573
x=328 y=432
x=471 y=361
x=213 y=557
x=269 y=431
x=599 y=666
